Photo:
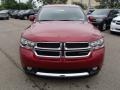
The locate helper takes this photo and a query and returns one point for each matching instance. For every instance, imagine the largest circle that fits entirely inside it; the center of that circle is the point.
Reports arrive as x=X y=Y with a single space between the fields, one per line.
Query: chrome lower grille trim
x=62 y=75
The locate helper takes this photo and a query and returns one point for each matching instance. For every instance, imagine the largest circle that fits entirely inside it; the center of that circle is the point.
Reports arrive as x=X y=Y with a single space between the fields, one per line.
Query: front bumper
x=115 y=28
x=62 y=74
x=29 y=59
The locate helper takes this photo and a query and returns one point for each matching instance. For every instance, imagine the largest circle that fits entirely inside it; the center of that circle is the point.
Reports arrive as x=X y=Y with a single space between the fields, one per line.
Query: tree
x=109 y=4
x=29 y=4
x=13 y=4
x=9 y=4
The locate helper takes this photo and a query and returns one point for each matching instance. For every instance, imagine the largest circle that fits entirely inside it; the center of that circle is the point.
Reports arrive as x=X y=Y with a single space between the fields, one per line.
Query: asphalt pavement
x=12 y=76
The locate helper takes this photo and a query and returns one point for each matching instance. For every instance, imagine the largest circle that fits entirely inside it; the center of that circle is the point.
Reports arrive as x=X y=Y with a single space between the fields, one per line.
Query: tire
x=103 y=27
x=25 y=17
x=7 y=18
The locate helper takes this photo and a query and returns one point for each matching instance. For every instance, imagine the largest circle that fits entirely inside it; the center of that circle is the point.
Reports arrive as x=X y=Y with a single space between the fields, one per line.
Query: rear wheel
x=25 y=17
x=7 y=18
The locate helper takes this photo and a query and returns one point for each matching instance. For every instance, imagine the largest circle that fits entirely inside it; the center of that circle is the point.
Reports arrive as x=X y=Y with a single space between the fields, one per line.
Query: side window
x=113 y=13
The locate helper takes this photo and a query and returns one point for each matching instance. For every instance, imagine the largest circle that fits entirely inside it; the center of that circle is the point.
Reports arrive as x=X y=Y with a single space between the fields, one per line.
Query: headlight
x=113 y=21
x=27 y=44
x=97 y=44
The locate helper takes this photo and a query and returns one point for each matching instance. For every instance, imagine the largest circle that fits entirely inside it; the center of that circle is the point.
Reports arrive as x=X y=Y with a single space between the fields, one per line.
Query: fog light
x=29 y=68
x=94 y=68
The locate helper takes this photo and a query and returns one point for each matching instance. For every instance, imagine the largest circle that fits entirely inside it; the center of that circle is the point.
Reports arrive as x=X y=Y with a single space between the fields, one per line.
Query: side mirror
x=32 y=18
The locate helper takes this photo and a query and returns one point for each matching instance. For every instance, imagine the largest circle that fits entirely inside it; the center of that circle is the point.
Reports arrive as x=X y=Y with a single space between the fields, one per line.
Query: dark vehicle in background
x=15 y=14
x=4 y=14
x=90 y=11
x=19 y=13
x=11 y=12
x=102 y=18
x=26 y=13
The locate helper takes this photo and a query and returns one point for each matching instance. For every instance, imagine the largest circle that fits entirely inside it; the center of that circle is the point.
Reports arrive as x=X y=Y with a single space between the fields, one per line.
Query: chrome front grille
x=76 y=45
x=47 y=53
x=49 y=45
x=72 y=54
x=67 y=50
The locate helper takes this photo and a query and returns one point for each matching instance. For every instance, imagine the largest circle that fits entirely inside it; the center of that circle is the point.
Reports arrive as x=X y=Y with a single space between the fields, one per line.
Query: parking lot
x=12 y=76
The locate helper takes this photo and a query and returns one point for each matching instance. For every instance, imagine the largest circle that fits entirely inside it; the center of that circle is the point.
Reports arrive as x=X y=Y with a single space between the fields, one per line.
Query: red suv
x=61 y=43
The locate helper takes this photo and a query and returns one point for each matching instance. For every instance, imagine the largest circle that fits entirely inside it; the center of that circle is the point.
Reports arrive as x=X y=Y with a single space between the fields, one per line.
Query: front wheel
x=25 y=17
x=103 y=27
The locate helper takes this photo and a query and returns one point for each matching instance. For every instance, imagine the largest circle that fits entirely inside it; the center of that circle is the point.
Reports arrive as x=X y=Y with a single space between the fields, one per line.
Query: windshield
x=27 y=11
x=22 y=11
x=61 y=13
x=101 y=12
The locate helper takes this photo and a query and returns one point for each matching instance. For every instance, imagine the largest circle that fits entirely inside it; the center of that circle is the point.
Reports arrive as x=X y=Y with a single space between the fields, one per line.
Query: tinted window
x=113 y=13
x=61 y=13
x=101 y=12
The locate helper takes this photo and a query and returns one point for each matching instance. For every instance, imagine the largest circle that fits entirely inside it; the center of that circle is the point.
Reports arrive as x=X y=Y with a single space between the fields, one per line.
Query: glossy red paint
x=62 y=31
x=29 y=59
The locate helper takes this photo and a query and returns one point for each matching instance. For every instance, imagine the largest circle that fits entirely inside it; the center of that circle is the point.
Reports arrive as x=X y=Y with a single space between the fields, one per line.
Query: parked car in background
x=26 y=13
x=10 y=12
x=19 y=13
x=4 y=14
x=102 y=18
x=15 y=14
x=115 y=25
x=61 y=43
x=90 y=11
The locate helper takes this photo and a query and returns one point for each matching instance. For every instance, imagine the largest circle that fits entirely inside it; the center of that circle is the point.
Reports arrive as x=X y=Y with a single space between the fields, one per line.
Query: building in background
x=89 y=3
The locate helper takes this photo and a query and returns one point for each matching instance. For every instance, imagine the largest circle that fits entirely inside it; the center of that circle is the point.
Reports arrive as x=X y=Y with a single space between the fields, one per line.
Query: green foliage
x=12 y=4
x=109 y=4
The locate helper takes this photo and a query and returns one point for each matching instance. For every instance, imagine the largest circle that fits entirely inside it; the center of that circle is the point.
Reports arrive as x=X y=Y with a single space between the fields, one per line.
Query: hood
x=61 y=31
x=117 y=18
x=3 y=13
